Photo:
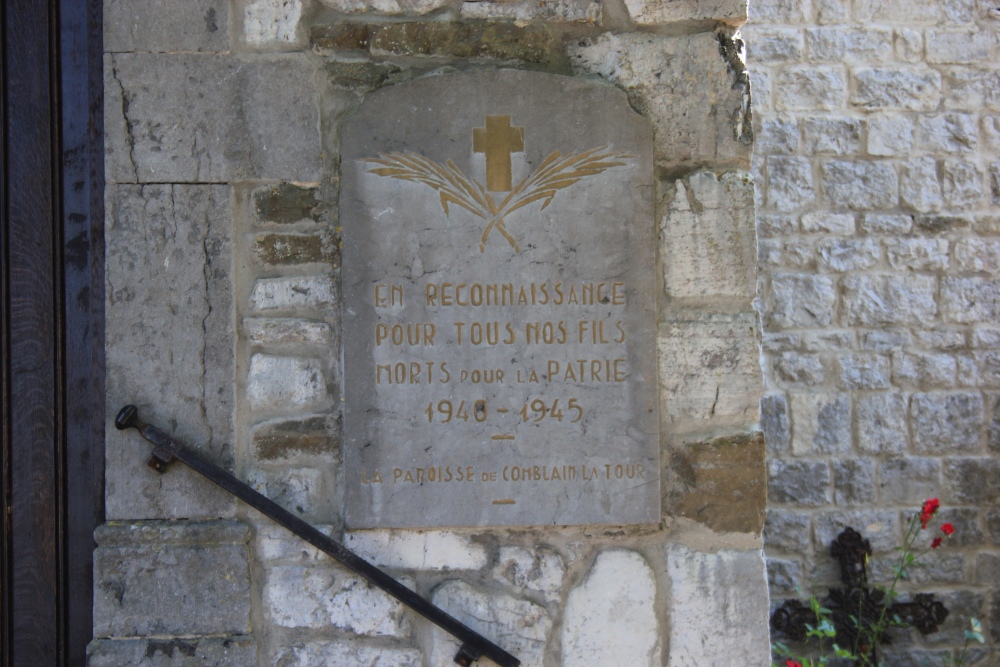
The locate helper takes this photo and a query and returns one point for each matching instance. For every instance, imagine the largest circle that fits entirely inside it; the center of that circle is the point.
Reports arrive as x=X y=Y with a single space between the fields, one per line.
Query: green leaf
x=842 y=652
x=976 y=625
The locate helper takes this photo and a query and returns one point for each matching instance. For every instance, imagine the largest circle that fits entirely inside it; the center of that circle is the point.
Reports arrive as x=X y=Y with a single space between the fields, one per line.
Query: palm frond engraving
x=555 y=173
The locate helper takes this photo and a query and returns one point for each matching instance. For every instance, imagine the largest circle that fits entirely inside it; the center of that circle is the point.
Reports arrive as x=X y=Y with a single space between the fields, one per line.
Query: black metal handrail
x=167 y=449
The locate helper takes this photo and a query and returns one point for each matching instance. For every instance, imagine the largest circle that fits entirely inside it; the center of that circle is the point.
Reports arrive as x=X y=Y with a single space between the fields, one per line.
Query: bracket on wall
x=166 y=450
x=856 y=599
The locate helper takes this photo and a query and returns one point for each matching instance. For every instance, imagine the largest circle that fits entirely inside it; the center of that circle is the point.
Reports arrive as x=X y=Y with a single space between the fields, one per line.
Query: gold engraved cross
x=498 y=140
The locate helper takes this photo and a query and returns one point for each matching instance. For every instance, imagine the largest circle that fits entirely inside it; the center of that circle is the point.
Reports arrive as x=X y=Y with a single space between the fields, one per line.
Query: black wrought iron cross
x=857 y=605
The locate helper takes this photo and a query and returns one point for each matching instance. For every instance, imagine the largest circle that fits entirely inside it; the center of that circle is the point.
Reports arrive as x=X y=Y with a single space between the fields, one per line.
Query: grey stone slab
x=236 y=651
x=153 y=25
x=210 y=118
x=168 y=582
x=540 y=322
x=170 y=342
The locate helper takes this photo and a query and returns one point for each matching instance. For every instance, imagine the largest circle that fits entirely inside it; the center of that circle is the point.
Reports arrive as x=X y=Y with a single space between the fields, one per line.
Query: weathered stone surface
x=696 y=98
x=540 y=570
x=811 y=88
x=854 y=482
x=292 y=293
x=707 y=237
x=909 y=480
x=312 y=597
x=863 y=370
x=173 y=130
x=361 y=75
x=882 y=223
x=798 y=300
x=274 y=543
x=946 y=422
x=171 y=578
x=821 y=423
x=881 y=423
x=169 y=342
x=972 y=481
x=804 y=483
x=283 y=439
x=970 y=300
x=890 y=135
x=236 y=651
x=533 y=43
x=802 y=369
x=520 y=626
x=971 y=88
x=821 y=222
x=961 y=184
x=860 y=185
x=843 y=255
x=787 y=530
x=286 y=203
x=299 y=490
x=832 y=135
x=279 y=331
x=284 y=382
x=777 y=135
x=424 y=550
x=947 y=133
x=777 y=11
x=921 y=190
x=923 y=371
x=663 y=12
x=587 y=11
x=721 y=483
x=880 y=299
x=784 y=576
x=272 y=22
x=611 y=617
x=868 y=45
x=775 y=424
x=710 y=370
x=909 y=44
x=281 y=249
x=738 y=603
x=389 y=7
x=912 y=88
x=773 y=45
x=790 y=183
x=917 y=254
x=345 y=653
x=879 y=526
x=960 y=46
x=151 y=25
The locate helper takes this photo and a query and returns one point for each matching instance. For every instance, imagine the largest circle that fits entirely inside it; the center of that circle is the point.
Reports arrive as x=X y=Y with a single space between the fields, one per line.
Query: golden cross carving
x=498 y=140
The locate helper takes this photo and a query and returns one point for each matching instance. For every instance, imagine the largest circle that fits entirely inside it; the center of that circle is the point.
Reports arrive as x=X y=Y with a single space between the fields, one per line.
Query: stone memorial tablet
x=499 y=305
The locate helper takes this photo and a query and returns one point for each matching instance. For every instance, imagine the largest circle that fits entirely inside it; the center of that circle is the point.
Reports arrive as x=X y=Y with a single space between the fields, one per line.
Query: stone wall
x=223 y=318
x=878 y=170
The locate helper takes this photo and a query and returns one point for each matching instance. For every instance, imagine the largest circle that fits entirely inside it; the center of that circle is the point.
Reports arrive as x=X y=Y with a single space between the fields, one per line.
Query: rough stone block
x=284 y=382
x=234 y=651
x=886 y=223
x=890 y=136
x=943 y=339
x=787 y=530
x=293 y=293
x=832 y=11
x=821 y=423
x=273 y=23
x=695 y=92
x=865 y=45
x=739 y=604
x=863 y=370
x=274 y=543
x=540 y=570
x=710 y=370
x=586 y=11
x=170 y=341
x=970 y=300
x=610 y=617
x=387 y=7
x=721 y=483
x=796 y=482
x=763 y=99
x=362 y=76
x=987 y=569
x=775 y=424
x=707 y=238
x=299 y=490
x=961 y=184
x=965 y=521
x=832 y=135
x=917 y=254
x=345 y=653
x=801 y=369
x=312 y=597
x=535 y=43
x=150 y=25
x=784 y=576
x=173 y=129
x=811 y=88
x=921 y=189
x=874 y=299
x=281 y=439
x=663 y=12
x=960 y=46
x=777 y=11
x=823 y=222
x=909 y=480
x=799 y=300
x=947 y=133
x=971 y=88
x=424 y=550
x=889 y=11
x=909 y=45
x=772 y=45
x=854 y=481
x=777 y=136
x=285 y=249
x=939 y=224
x=842 y=255
x=881 y=423
x=991 y=133
x=912 y=88
x=776 y=225
x=275 y=332
x=972 y=481
x=879 y=526
x=286 y=203
x=171 y=578
x=520 y=626
x=861 y=185
x=946 y=422
x=924 y=371
x=789 y=183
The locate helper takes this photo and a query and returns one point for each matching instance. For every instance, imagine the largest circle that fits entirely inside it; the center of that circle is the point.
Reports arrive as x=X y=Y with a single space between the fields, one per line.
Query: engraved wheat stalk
x=553 y=174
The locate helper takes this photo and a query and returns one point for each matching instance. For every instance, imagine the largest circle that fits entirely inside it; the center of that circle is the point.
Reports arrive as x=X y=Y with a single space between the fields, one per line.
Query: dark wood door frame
x=52 y=325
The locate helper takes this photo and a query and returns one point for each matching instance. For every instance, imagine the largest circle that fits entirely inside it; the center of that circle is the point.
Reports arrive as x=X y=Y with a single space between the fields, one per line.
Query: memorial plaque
x=499 y=305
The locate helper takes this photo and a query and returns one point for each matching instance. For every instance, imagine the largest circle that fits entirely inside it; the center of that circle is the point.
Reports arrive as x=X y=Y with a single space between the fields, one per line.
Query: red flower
x=792 y=663
x=935 y=543
x=930 y=507
x=947 y=529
